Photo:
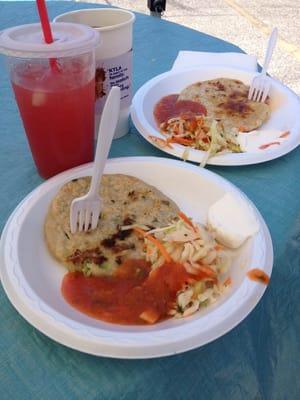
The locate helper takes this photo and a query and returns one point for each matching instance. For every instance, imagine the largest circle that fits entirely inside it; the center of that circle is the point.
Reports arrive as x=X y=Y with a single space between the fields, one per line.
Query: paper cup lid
x=27 y=41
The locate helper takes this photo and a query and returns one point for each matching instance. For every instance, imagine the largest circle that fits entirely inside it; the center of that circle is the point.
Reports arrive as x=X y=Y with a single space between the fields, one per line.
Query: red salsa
x=132 y=295
x=170 y=107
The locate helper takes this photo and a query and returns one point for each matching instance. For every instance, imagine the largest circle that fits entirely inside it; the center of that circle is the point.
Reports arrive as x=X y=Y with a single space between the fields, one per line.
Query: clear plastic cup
x=54 y=87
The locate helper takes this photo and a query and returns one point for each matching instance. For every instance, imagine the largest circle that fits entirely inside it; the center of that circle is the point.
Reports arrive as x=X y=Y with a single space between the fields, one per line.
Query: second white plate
x=285 y=111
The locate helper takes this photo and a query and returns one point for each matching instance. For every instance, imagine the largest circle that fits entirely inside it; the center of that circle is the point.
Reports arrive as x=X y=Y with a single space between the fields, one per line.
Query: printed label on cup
x=114 y=72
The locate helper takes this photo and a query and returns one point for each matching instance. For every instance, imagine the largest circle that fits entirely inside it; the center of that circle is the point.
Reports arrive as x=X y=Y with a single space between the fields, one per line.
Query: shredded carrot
x=149 y=251
x=208 y=271
x=180 y=140
x=160 y=142
x=219 y=247
x=258 y=275
x=160 y=247
x=186 y=219
x=150 y=315
x=191 y=281
x=156 y=242
x=140 y=231
x=284 y=134
x=265 y=146
x=227 y=282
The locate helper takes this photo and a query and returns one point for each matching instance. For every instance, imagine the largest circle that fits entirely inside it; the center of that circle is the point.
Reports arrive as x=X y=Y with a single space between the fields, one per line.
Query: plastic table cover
x=259 y=359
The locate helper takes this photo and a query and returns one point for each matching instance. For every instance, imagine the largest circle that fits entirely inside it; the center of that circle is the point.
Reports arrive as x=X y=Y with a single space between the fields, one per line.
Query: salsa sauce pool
x=131 y=296
x=169 y=107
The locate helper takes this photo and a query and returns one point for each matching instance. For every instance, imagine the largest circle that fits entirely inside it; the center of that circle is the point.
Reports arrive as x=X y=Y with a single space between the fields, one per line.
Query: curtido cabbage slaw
x=195 y=247
x=197 y=132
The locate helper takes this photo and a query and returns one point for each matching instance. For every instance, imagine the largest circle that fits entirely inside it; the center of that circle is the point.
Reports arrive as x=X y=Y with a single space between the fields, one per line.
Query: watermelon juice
x=57 y=109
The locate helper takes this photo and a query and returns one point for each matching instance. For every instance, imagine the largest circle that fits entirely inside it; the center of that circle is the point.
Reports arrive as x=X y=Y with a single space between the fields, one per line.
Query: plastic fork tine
x=96 y=214
x=81 y=220
x=95 y=218
x=264 y=96
x=262 y=89
x=266 y=92
x=87 y=219
x=73 y=217
x=251 y=92
x=255 y=94
x=261 y=95
x=259 y=92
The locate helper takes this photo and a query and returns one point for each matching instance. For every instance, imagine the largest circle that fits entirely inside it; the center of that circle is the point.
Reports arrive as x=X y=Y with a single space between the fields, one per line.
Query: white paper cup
x=113 y=56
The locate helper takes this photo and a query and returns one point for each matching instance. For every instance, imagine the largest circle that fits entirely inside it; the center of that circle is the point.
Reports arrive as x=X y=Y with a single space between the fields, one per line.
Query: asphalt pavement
x=246 y=23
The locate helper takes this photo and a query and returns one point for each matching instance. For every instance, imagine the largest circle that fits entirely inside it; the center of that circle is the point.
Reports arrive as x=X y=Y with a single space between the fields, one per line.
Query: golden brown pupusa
x=227 y=100
x=126 y=200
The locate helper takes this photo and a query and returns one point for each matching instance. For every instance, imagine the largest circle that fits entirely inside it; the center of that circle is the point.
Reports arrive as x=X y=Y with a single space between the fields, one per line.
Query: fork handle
x=270 y=48
x=107 y=127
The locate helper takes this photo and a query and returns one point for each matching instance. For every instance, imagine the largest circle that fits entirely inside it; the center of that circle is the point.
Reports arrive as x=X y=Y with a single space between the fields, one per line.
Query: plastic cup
x=55 y=100
x=113 y=56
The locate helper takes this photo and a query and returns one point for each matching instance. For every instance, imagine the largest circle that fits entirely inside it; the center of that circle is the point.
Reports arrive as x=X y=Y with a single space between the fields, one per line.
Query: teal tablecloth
x=257 y=360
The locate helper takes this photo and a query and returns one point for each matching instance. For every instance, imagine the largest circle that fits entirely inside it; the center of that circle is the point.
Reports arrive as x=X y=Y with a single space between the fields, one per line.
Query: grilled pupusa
x=226 y=100
x=126 y=201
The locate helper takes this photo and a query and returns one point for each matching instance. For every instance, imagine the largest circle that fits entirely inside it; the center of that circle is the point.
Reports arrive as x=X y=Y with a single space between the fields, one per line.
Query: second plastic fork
x=261 y=84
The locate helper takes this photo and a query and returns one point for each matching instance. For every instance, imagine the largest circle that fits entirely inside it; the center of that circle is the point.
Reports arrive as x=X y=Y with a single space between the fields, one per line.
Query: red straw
x=43 y=13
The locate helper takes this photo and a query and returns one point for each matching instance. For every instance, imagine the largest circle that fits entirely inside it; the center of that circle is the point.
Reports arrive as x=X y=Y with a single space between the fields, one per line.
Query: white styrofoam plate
x=285 y=110
x=32 y=278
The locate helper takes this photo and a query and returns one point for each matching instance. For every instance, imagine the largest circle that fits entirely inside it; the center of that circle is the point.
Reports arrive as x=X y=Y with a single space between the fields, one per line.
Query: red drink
x=54 y=85
x=57 y=109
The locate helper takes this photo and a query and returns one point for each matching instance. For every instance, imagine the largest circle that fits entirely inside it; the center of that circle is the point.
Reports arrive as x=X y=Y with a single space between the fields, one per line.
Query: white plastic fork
x=85 y=210
x=261 y=83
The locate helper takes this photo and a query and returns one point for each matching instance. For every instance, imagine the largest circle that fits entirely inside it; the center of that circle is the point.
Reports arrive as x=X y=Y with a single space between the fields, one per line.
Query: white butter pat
x=232 y=221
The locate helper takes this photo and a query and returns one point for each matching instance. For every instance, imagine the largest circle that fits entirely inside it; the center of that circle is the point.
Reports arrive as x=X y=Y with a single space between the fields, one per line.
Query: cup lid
x=27 y=41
